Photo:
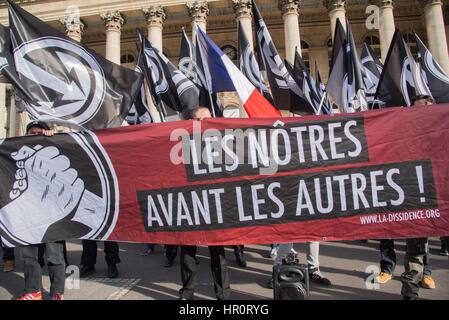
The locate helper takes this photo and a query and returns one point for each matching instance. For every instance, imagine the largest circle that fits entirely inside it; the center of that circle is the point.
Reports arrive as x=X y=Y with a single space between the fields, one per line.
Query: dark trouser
x=8 y=253
x=388 y=258
x=42 y=251
x=414 y=267
x=218 y=267
x=89 y=255
x=171 y=251
x=33 y=271
x=238 y=250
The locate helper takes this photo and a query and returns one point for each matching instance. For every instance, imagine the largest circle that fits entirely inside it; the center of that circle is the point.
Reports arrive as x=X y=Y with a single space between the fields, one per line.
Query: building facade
x=109 y=28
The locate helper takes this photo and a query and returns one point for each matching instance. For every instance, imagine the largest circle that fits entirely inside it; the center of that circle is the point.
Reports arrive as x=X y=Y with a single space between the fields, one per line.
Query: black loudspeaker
x=290 y=282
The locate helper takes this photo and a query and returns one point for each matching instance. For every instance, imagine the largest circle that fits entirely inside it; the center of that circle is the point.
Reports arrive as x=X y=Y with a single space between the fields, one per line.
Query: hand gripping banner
x=375 y=174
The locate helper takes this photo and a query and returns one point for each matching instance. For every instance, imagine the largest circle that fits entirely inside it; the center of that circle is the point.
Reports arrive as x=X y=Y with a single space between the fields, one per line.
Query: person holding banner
x=416 y=248
x=53 y=250
x=89 y=257
x=218 y=263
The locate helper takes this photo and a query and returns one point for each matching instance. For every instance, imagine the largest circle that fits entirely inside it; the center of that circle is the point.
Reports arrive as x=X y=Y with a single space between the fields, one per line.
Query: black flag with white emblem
x=8 y=72
x=345 y=83
x=286 y=93
x=372 y=69
x=436 y=79
x=176 y=91
x=140 y=111
x=69 y=83
x=190 y=65
x=401 y=77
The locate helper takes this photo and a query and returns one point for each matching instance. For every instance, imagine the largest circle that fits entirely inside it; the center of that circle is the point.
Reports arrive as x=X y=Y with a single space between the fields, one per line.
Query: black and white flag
x=286 y=93
x=372 y=69
x=176 y=91
x=249 y=67
x=345 y=83
x=69 y=83
x=401 y=77
x=299 y=75
x=8 y=72
x=321 y=89
x=140 y=111
x=437 y=80
x=190 y=64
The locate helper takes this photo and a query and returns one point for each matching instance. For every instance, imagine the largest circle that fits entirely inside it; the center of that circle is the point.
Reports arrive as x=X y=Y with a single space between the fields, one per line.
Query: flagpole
x=159 y=108
x=322 y=102
x=211 y=104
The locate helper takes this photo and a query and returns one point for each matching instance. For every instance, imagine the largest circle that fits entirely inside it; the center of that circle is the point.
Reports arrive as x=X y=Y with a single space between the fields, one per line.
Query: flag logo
x=75 y=191
x=74 y=84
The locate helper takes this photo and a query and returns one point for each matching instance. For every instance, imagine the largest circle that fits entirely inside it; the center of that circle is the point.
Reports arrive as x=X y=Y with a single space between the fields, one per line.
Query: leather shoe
x=112 y=271
x=86 y=271
x=240 y=261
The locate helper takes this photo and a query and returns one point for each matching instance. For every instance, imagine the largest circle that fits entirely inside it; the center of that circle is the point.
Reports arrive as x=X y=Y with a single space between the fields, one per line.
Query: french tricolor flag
x=222 y=75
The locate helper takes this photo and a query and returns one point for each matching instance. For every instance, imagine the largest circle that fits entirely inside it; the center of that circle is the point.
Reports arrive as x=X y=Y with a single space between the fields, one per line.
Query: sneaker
x=318 y=277
x=32 y=296
x=9 y=266
x=58 y=296
x=443 y=251
x=273 y=252
x=293 y=251
x=383 y=277
x=427 y=282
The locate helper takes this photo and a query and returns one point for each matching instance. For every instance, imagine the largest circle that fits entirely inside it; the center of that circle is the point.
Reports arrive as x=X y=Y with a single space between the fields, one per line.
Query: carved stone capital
x=289 y=6
x=382 y=3
x=73 y=25
x=425 y=3
x=113 y=20
x=198 y=11
x=154 y=15
x=332 y=5
x=242 y=8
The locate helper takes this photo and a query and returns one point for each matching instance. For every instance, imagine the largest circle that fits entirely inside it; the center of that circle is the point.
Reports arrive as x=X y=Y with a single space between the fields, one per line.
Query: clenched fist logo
x=45 y=183
x=49 y=198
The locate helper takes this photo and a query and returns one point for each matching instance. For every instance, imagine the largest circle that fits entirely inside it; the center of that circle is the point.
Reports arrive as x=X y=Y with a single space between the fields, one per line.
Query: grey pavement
x=348 y=264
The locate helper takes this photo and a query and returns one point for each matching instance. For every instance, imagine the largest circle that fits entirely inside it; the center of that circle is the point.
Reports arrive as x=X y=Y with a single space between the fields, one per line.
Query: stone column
x=3 y=111
x=155 y=17
x=198 y=12
x=336 y=9
x=436 y=33
x=113 y=22
x=290 y=14
x=386 y=25
x=243 y=14
x=74 y=27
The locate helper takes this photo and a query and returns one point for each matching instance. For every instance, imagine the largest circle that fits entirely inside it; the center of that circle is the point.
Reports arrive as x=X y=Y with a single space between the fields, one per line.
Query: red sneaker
x=58 y=296
x=32 y=296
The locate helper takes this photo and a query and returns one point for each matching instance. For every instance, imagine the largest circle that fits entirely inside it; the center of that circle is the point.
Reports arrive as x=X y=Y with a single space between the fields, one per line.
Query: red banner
x=376 y=174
